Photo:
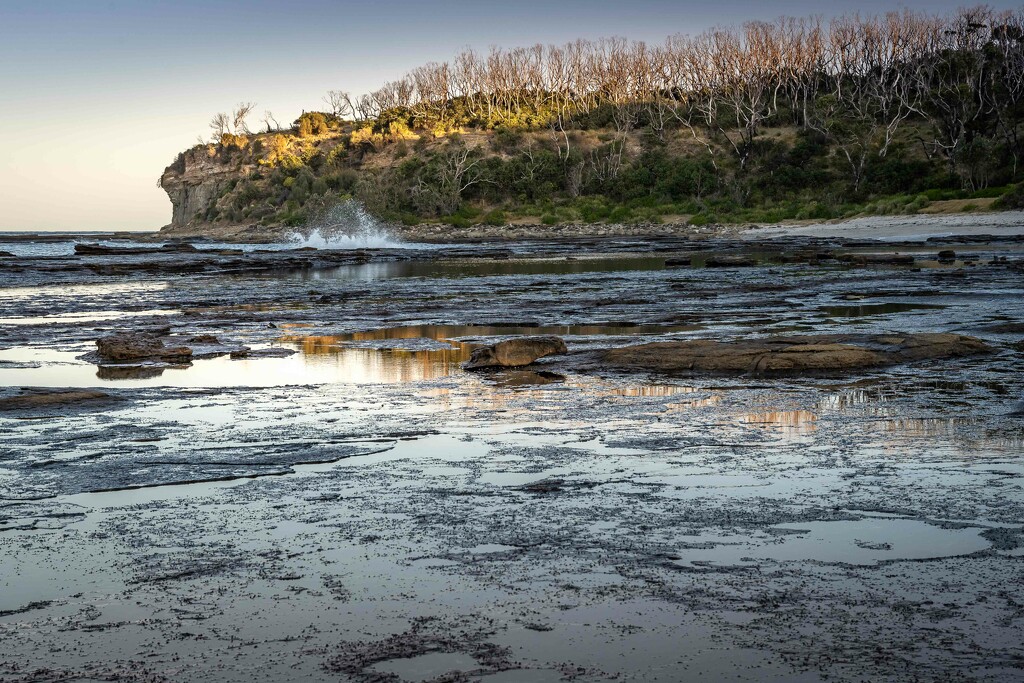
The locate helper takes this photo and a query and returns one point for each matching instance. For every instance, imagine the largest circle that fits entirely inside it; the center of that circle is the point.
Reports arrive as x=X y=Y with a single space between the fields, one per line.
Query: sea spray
x=346 y=225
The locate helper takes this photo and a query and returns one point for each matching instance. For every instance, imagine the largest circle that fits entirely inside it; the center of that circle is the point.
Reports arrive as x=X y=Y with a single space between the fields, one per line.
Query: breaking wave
x=347 y=226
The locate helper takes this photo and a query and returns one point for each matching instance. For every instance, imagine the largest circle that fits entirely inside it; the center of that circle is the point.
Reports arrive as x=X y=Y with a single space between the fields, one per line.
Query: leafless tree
x=339 y=103
x=239 y=116
x=221 y=125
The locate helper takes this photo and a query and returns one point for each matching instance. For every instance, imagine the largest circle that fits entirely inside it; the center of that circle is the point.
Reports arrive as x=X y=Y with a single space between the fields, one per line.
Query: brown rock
x=139 y=345
x=794 y=355
x=513 y=353
x=42 y=399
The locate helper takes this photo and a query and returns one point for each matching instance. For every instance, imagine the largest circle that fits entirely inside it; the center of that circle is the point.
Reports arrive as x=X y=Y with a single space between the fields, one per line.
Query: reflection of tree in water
x=387 y=365
x=791 y=422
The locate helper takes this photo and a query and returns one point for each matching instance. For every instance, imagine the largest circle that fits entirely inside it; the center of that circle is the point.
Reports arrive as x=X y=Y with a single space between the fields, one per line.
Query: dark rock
x=730 y=262
x=877 y=259
x=678 y=262
x=513 y=353
x=544 y=486
x=275 y=352
x=947 y=256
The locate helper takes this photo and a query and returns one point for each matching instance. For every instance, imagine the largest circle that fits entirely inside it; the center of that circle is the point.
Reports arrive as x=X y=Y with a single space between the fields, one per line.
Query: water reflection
x=85 y=316
x=790 y=423
x=460 y=268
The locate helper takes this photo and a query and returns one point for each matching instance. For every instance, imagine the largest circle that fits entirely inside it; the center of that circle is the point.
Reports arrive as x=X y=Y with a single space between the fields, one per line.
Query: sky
x=98 y=96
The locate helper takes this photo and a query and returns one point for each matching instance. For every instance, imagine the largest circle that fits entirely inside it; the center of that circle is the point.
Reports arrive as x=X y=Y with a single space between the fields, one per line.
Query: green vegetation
x=793 y=120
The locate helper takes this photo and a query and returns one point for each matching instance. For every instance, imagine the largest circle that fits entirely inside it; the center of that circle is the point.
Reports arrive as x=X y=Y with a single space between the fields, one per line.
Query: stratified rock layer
x=792 y=355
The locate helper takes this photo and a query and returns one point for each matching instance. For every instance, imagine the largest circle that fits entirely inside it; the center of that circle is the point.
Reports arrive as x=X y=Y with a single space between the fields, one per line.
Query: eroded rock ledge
x=791 y=355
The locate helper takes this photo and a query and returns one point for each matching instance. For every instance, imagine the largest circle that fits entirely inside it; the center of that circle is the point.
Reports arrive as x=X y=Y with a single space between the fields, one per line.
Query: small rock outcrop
x=792 y=355
x=130 y=346
x=42 y=399
x=514 y=353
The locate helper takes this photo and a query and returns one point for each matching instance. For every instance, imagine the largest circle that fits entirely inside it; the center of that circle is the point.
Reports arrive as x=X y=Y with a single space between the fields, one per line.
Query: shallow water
x=365 y=507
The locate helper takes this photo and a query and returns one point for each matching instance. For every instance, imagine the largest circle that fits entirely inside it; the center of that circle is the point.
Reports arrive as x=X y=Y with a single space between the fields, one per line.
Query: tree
x=239 y=116
x=339 y=103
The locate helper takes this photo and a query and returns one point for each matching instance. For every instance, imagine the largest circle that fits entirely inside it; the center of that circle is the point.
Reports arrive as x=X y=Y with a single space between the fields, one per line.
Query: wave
x=347 y=226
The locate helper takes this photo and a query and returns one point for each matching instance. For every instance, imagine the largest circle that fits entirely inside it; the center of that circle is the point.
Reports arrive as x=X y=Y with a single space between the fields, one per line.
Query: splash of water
x=346 y=226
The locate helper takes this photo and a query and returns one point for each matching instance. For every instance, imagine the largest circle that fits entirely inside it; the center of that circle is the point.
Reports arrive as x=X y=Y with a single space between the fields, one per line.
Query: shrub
x=549 y=219
x=1013 y=199
x=496 y=217
x=620 y=214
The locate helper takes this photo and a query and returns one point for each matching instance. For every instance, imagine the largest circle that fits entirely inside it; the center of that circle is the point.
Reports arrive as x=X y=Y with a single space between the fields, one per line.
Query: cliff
x=195 y=181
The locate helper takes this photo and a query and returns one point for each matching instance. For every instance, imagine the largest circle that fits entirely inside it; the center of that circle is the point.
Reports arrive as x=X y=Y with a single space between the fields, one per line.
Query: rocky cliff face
x=194 y=183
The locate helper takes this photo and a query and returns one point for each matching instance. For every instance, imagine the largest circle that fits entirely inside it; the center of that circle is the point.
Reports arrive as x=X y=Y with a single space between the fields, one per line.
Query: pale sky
x=98 y=96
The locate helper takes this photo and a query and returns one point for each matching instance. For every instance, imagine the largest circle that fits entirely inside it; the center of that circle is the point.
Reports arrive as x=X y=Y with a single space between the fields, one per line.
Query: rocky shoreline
x=287 y=468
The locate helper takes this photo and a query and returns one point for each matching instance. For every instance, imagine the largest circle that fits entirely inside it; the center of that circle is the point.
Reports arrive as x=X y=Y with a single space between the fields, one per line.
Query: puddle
x=523 y=676
x=426 y=667
x=862 y=542
x=490 y=267
x=876 y=309
x=464 y=268
x=85 y=316
x=49 y=292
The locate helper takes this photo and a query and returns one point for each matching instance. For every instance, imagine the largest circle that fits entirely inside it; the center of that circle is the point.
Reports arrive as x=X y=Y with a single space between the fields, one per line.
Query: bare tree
x=339 y=103
x=270 y=122
x=221 y=125
x=240 y=114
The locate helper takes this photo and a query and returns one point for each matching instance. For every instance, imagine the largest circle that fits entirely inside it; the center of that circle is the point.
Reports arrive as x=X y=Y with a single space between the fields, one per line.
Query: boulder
x=126 y=346
x=514 y=353
x=792 y=355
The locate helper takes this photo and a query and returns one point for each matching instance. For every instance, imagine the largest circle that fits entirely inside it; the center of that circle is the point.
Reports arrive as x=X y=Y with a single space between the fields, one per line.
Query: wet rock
x=544 y=486
x=6 y=254
x=877 y=259
x=43 y=399
x=792 y=355
x=730 y=262
x=138 y=345
x=678 y=262
x=513 y=353
x=276 y=352
x=947 y=256
x=1005 y=328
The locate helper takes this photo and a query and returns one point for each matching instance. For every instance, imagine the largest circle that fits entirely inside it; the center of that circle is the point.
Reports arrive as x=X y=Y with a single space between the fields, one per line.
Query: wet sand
x=365 y=510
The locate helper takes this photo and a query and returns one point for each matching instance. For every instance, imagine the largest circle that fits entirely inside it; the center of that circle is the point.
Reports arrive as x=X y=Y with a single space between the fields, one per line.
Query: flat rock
x=126 y=346
x=792 y=355
x=274 y=352
x=514 y=353
x=42 y=399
